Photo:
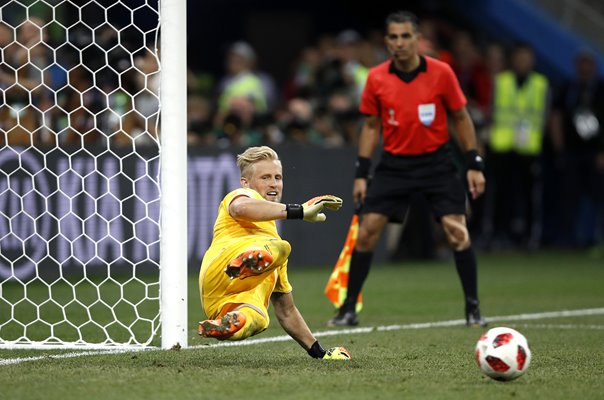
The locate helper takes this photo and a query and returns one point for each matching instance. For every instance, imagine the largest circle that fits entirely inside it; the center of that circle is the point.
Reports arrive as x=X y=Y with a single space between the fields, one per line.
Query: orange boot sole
x=222 y=328
x=249 y=263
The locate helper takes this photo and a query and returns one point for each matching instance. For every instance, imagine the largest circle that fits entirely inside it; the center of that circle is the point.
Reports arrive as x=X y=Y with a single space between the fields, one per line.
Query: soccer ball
x=503 y=354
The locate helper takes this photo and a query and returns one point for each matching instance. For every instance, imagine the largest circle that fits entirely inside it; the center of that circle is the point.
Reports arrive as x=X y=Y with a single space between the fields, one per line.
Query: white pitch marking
x=349 y=331
x=12 y=361
x=425 y=325
x=563 y=326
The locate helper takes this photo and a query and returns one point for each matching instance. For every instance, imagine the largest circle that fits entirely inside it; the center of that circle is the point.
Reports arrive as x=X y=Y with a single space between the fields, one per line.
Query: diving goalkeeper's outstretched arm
x=292 y=322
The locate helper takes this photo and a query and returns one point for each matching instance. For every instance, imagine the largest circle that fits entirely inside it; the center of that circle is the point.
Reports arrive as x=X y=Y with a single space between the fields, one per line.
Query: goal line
x=334 y=332
x=423 y=325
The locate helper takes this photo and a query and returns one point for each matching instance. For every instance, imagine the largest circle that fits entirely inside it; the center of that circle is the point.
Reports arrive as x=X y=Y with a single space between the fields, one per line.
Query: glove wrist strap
x=316 y=351
x=474 y=160
x=294 y=211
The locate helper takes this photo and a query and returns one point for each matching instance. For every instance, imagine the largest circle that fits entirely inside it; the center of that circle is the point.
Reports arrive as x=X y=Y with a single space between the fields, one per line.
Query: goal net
x=81 y=261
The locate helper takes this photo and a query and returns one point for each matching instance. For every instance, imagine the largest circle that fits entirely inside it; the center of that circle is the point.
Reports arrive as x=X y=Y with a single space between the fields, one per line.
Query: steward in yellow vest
x=519 y=114
x=513 y=199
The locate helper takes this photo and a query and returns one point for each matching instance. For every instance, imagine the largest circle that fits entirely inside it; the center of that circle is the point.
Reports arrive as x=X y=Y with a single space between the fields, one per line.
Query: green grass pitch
x=420 y=361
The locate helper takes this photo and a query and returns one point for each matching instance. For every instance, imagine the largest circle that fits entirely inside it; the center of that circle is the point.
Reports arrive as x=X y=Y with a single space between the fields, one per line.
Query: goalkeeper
x=246 y=264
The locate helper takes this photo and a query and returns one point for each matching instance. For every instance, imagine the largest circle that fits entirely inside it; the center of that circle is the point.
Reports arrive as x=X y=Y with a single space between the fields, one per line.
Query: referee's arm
x=368 y=140
x=465 y=129
x=467 y=137
x=370 y=135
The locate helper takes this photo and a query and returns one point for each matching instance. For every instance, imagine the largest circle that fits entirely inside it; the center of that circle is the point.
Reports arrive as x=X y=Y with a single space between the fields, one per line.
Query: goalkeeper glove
x=337 y=353
x=311 y=210
x=334 y=353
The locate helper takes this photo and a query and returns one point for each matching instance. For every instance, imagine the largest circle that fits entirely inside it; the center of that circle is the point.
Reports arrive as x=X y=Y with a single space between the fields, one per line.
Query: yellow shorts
x=220 y=294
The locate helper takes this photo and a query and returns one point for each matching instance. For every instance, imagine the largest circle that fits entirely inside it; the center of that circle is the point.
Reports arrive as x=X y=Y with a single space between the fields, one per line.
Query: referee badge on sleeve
x=426 y=113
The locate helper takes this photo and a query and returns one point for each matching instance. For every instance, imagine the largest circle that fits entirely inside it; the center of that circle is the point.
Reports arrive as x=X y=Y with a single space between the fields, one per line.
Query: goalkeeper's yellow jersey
x=227 y=229
x=231 y=238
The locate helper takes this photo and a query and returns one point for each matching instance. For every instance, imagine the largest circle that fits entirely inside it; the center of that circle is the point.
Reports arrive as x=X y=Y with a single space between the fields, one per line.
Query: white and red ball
x=503 y=354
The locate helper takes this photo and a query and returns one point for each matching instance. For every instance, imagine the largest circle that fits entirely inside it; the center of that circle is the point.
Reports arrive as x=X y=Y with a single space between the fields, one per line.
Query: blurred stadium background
x=312 y=57
x=307 y=63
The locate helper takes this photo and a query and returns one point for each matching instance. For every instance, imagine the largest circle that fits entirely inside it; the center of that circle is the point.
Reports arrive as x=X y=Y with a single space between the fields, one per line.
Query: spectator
x=578 y=140
x=297 y=122
x=324 y=124
x=236 y=125
x=329 y=77
x=495 y=58
x=24 y=59
x=375 y=38
x=353 y=72
x=241 y=84
x=430 y=42
x=199 y=114
x=496 y=62
x=81 y=104
x=473 y=75
x=514 y=150
x=304 y=81
x=344 y=111
x=146 y=80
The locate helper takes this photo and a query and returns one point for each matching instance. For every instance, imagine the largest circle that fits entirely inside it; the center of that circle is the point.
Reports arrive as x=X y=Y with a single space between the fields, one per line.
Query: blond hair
x=247 y=159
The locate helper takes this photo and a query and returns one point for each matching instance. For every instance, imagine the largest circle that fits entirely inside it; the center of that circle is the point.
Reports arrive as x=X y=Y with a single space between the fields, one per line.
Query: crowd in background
x=547 y=191
x=555 y=196
x=318 y=104
x=81 y=90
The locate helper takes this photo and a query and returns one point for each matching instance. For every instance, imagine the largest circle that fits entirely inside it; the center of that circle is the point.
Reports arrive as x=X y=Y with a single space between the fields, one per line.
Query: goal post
x=173 y=261
x=93 y=188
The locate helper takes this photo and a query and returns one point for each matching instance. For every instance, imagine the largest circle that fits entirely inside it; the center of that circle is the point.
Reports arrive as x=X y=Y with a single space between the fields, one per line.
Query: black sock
x=465 y=262
x=360 y=262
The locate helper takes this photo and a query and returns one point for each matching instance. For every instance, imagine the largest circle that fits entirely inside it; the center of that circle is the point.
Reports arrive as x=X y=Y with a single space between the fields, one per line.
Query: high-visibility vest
x=360 y=74
x=518 y=114
x=245 y=85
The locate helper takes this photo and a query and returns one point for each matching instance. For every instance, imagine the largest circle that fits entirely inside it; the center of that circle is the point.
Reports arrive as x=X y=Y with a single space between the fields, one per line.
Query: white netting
x=79 y=185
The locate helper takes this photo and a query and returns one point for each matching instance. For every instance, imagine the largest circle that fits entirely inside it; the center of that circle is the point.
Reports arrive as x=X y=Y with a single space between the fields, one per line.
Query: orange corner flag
x=337 y=285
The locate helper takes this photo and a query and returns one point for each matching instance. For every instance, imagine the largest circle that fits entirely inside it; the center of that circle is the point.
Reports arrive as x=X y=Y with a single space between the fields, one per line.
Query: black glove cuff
x=474 y=160
x=294 y=211
x=362 y=167
x=316 y=351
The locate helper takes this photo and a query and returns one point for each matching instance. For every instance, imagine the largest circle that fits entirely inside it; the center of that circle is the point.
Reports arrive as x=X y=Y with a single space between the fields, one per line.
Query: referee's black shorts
x=431 y=175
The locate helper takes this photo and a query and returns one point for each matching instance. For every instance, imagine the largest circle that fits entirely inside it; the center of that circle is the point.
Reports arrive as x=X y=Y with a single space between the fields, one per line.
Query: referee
x=407 y=99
